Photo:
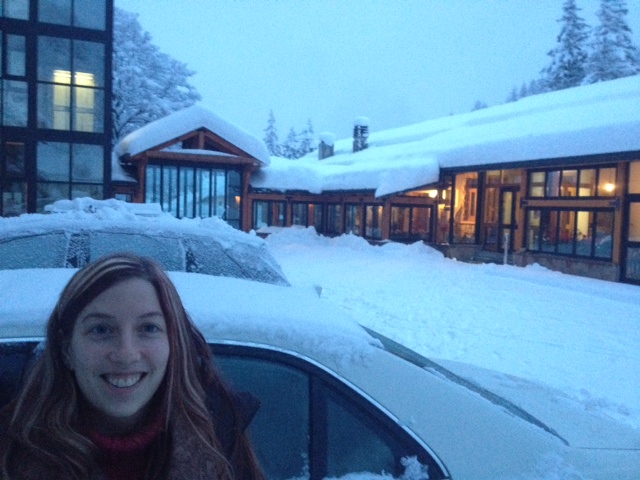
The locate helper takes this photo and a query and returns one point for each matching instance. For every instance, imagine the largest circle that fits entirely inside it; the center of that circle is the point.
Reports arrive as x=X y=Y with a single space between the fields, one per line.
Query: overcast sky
x=397 y=62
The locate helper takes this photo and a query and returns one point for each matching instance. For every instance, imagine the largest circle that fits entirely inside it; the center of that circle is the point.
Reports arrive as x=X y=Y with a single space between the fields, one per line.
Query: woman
x=125 y=388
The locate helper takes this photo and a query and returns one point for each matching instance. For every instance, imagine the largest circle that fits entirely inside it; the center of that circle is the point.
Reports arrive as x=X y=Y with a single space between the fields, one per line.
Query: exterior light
x=432 y=193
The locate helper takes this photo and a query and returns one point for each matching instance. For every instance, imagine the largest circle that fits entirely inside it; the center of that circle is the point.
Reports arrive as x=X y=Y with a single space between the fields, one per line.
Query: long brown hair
x=46 y=416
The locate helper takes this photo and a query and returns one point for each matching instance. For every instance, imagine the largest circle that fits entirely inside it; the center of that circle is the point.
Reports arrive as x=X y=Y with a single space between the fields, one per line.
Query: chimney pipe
x=360 y=133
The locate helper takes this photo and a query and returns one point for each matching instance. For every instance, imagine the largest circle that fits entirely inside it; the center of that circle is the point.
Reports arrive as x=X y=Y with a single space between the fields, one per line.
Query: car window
x=312 y=426
x=13 y=357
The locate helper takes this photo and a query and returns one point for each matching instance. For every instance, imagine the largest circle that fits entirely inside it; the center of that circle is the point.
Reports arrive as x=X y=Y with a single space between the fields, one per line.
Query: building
x=55 y=98
x=552 y=179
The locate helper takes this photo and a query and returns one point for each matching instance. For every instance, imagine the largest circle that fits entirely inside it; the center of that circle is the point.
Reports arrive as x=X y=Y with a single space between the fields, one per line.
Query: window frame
x=558 y=211
x=559 y=173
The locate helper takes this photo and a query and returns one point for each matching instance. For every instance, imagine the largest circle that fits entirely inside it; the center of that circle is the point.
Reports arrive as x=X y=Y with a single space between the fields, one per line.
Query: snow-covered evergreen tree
x=306 y=140
x=613 y=53
x=290 y=148
x=479 y=105
x=569 y=57
x=513 y=96
x=271 y=136
x=147 y=84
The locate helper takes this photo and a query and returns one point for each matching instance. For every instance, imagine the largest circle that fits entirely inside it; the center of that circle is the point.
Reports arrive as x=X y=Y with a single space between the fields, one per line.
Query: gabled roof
x=178 y=124
x=591 y=120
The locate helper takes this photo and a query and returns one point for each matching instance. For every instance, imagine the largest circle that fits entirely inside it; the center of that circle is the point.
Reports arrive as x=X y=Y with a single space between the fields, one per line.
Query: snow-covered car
x=342 y=401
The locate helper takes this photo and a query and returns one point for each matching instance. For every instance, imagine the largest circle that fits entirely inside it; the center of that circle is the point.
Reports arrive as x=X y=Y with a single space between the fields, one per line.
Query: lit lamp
x=432 y=193
x=609 y=187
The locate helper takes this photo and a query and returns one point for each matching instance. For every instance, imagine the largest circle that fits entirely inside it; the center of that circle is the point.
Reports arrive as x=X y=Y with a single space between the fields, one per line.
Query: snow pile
x=575 y=340
x=588 y=120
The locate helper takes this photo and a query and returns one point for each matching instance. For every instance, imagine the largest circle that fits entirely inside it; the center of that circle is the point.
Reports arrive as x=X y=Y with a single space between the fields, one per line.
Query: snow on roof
x=593 y=119
x=187 y=120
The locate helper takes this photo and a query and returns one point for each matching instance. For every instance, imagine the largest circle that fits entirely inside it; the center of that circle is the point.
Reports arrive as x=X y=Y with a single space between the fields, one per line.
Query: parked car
x=338 y=400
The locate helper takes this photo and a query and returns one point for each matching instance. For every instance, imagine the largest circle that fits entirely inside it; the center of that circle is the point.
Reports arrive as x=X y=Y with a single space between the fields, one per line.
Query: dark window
x=300 y=214
x=373 y=221
x=13 y=86
x=324 y=428
x=269 y=214
x=410 y=223
x=334 y=219
x=353 y=219
x=67 y=171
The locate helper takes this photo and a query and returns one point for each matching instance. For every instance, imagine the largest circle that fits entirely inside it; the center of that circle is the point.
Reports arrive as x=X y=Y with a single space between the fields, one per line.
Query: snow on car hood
x=225 y=309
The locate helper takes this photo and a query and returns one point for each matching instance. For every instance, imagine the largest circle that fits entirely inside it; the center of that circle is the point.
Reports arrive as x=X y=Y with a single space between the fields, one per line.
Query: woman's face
x=119 y=351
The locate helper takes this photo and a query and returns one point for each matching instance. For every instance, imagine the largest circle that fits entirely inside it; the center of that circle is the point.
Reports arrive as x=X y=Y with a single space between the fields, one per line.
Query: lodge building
x=552 y=179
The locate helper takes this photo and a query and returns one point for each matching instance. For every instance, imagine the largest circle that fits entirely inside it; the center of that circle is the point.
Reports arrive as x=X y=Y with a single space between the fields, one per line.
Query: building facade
x=55 y=102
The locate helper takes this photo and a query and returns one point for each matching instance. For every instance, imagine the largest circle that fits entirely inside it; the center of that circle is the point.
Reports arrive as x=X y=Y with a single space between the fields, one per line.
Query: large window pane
x=634 y=222
x=373 y=221
x=220 y=187
x=353 y=219
x=567 y=232
x=607 y=182
x=400 y=222
x=89 y=14
x=466 y=205
x=334 y=219
x=152 y=184
x=533 y=230
x=88 y=63
x=55 y=11
x=299 y=214
x=536 y=184
x=14 y=158
x=187 y=191
x=87 y=163
x=53 y=161
x=16 y=55
x=553 y=184
x=315 y=216
x=51 y=192
x=587 y=183
x=15 y=103
x=170 y=190
x=54 y=55
x=569 y=187
x=549 y=230
x=234 y=189
x=16 y=9
x=604 y=234
x=203 y=193
x=79 y=190
x=421 y=222
x=634 y=177
x=584 y=235
x=14 y=198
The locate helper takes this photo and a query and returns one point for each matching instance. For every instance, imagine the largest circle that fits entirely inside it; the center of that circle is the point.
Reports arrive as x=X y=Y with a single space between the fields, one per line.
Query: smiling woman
x=125 y=388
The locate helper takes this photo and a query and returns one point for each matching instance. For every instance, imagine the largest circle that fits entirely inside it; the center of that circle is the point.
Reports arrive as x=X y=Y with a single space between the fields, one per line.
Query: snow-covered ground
x=578 y=338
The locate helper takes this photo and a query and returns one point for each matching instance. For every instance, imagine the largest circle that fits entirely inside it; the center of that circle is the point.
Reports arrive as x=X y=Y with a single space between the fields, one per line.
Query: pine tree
x=479 y=105
x=513 y=96
x=271 y=136
x=306 y=140
x=569 y=57
x=613 y=53
x=291 y=146
x=147 y=84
